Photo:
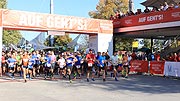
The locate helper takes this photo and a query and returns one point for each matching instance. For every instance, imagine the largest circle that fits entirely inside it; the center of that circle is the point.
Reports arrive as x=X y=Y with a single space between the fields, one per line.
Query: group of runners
x=67 y=65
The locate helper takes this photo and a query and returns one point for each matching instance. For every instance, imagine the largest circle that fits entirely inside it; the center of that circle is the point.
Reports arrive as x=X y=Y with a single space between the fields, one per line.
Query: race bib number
x=78 y=66
x=90 y=64
x=61 y=66
x=30 y=63
x=11 y=64
x=25 y=60
x=68 y=61
x=48 y=65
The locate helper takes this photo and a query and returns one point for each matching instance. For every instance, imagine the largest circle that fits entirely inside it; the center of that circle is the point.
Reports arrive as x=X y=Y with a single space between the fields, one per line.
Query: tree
x=60 y=41
x=106 y=8
x=123 y=43
x=9 y=36
x=3 y=3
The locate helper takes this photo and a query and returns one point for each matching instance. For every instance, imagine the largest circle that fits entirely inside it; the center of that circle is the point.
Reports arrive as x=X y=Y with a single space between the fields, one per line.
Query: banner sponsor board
x=148 y=18
x=139 y=66
x=40 y=21
x=157 y=67
x=172 y=69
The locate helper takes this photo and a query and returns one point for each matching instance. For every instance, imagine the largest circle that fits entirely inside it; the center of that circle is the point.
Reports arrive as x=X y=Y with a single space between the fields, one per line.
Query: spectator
x=146 y=10
x=166 y=6
x=171 y=7
x=176 y=6
x=161 y=7
x=133 y=55
x=178 y=57
x=112 y=17
x=155 y=9
x=117 y=16
x=138 y=11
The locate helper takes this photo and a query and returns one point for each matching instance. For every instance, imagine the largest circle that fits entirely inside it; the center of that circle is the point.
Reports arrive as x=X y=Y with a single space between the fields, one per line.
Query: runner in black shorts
x=90 y=57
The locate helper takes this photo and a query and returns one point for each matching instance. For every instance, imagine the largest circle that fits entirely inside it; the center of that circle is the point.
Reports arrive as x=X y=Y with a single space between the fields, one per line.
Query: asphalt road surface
x=135 y=88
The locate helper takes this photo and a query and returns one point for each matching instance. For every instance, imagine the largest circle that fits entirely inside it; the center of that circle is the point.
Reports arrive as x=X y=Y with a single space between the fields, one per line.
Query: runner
x=19 y=63
x=11 y=65
x=78 y=64
x=62 y=63
x=125 y=64
x=3 y=64
x=90 y=57
x=53 y=62
x=114 y=60
x=38 y=67
x=25 y=60
x=70 y=60
x=31 y=63
x=48 y=66
x=35 y=58
x=101 y=64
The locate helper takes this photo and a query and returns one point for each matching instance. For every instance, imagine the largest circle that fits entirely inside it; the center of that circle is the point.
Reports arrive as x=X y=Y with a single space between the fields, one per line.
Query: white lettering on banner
x=172 y=69
x=155 y=18
x=176 y=14
x=151 y=18
x=143 y=19
x=129 y=21
x=50 y=22
x=53 y=22
x=30 y=20
x=82 y=25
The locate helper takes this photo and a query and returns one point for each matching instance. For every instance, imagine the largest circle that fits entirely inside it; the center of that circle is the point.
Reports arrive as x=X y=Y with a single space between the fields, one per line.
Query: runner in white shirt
x=62 y=64
x=115 y=61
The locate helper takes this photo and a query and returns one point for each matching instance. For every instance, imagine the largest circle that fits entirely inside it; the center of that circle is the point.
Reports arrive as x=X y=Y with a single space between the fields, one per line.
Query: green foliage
x=11 y=37
x=3 y=3
x=106 y=8
x=147 y=43
x=123 y=43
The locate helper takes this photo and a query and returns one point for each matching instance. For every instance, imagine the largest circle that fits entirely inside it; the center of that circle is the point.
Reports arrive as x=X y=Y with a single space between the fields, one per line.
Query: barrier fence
x=164 y=68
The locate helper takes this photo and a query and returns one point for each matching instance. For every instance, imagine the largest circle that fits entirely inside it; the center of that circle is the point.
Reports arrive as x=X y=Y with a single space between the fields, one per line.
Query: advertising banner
x=40 y=21
x=139 y=66
x=157 y=67
x=172 y=69
x=148 y=18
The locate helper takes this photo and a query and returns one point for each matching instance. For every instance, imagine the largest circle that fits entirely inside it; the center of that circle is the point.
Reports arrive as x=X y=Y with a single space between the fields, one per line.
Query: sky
x=79 y=8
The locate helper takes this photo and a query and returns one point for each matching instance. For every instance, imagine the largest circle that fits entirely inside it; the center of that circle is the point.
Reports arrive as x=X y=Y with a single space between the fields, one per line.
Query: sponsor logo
x=175 y=14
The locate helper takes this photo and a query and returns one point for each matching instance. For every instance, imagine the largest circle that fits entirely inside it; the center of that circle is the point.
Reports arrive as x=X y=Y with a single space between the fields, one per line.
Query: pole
x=51 y=38
x=51 y=6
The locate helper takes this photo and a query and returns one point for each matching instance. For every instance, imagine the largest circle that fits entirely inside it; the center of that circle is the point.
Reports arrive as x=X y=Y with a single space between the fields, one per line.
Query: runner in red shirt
x=90 y=57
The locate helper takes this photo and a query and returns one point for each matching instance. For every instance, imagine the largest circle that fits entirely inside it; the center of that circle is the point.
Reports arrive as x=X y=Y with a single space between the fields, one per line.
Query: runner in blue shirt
x=31 y=63
x=101 y=64
x=48 y=66
x=11 y=64
x=78 y=64
x=70 y=60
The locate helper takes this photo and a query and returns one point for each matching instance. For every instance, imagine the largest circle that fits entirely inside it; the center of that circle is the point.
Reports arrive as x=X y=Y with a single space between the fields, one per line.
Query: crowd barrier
x=164 y=68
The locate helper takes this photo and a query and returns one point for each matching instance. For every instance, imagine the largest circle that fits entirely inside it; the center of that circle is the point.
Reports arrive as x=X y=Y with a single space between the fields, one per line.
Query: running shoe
x=87 y=80
x=104 y=80
x=116 y=79
x=70 y=81
x=92 y=79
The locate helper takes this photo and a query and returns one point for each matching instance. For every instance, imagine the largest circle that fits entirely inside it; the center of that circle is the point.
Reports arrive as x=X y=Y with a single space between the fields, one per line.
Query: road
x=135 y=88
